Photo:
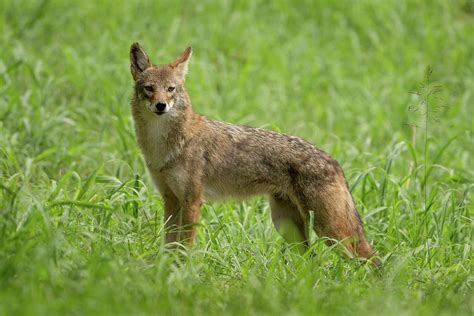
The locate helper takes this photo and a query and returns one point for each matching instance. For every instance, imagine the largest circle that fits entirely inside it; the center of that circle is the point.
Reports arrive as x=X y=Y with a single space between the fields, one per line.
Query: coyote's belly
x=219 y=190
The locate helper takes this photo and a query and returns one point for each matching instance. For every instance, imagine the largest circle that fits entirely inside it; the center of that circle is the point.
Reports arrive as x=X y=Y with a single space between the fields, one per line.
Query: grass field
x=81 y=224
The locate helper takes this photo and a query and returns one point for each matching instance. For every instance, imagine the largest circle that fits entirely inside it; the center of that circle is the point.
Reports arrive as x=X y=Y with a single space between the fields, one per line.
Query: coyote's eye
x=148 y=88
x=171 y=89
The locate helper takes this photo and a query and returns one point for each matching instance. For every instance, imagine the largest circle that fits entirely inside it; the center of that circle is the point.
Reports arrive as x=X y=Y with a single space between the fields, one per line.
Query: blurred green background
x=80 y=222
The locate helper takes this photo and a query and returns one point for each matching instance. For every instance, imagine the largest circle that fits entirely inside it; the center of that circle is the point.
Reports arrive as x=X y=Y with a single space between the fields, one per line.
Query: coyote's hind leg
x=288 y=221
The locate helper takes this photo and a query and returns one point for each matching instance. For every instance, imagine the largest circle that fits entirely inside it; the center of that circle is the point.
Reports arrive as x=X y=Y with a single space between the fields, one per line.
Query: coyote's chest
x=156 y=146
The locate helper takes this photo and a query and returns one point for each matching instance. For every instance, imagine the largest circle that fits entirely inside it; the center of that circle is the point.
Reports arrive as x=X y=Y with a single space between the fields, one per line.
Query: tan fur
x=191 y=157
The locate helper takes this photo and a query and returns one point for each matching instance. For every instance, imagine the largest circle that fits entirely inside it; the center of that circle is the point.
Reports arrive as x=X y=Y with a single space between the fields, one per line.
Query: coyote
x=191 y=157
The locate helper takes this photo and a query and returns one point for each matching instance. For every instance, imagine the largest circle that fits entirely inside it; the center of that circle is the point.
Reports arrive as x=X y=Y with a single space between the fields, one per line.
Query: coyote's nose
x=160 y=106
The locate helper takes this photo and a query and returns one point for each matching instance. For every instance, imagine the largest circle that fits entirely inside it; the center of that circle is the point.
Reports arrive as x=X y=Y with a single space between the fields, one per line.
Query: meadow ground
x=80 y=222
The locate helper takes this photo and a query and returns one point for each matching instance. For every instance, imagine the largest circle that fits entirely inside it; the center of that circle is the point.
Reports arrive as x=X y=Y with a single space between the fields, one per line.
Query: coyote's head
x=159 y=88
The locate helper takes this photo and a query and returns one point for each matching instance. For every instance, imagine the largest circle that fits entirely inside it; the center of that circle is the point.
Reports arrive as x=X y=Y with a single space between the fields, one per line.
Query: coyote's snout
x=191 y=157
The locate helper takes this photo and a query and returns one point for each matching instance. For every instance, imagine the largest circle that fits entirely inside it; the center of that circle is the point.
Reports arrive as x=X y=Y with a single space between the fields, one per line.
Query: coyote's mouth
x=159 y=112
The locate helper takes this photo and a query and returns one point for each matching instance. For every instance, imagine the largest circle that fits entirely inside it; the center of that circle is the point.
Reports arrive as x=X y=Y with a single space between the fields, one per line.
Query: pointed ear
x=180 y=64
x=139 y=60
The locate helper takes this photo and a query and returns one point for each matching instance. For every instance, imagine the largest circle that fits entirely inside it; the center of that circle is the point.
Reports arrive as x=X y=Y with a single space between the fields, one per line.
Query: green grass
x=80 y=222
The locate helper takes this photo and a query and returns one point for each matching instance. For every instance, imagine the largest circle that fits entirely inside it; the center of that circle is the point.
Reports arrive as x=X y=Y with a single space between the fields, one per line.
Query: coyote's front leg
x=182 y=206
x=172 y=218
x=189 y=214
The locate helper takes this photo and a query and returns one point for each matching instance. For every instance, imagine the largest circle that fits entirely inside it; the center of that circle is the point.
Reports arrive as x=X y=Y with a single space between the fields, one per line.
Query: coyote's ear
x=180 y=64
x=139 y=60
